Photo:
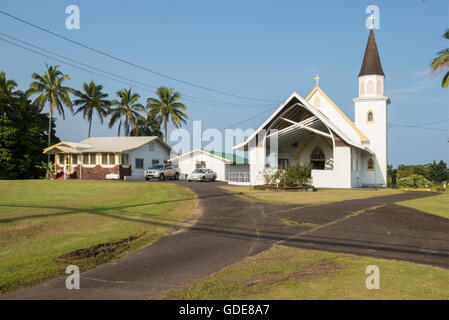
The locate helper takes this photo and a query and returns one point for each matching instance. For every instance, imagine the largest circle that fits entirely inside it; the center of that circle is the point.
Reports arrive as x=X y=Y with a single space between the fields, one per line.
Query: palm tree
x=148 y=126
x=127 y=110
x=50 y=89
x=7 y=93
x=441 y=63
x=168 y=107
x=92 y=99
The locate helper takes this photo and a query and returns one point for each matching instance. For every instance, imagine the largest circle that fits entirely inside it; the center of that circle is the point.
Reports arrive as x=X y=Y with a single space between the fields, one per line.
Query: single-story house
x=227 y=166
x=117 y=157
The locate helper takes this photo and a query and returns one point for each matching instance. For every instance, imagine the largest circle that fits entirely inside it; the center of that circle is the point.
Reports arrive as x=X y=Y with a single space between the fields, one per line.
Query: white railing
x=238 y=176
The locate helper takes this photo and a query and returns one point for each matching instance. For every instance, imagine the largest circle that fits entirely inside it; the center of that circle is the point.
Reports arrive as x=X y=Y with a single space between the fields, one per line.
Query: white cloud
x=423 y=73
x=418 y=87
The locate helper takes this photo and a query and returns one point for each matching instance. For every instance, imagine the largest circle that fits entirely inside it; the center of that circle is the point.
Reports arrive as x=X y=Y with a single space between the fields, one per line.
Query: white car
x=202 y=175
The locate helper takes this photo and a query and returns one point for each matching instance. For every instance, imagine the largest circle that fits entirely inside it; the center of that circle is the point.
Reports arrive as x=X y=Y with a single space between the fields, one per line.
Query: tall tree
x=127 y=111
x=23 y=135
x=441 y=62
x=168 y=107
x=148 y=126
x=50 y=88
x=92 y=100
x=437 y=172
x=7 y=93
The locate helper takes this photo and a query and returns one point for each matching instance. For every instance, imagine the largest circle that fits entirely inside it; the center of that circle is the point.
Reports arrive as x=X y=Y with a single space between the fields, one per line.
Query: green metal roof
x=229 y=156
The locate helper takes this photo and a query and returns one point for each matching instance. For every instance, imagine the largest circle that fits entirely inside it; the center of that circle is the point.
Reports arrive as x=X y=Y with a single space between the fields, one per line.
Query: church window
x=370 y=164
x=370 y=87
x=317 y=102
x=380 y=89
x=362 y=88
x=317 y=159
x=282 y=163
x=370 y=116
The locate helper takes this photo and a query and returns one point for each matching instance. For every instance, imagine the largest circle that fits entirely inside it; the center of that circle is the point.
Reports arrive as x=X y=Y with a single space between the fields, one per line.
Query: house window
x=282 y=163
x=104 y=158
x=370 y=164
x=107 y=158
x=154 y=162
x=362 y=88
x=92 y=158
x=89 y=158
x=139 y=163
x=201 y=164
x=125 y=159
x=151 y=147
x=74 y=159
x=317 y=159
x=62 y=159
x=370 y=116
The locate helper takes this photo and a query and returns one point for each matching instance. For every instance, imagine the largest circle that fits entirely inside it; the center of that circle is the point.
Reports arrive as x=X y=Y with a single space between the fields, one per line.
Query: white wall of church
x=340 y=176
x=257 y=161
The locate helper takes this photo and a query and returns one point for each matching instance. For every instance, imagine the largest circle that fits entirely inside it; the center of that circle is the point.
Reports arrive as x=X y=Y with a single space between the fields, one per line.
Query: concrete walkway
x=233 y=228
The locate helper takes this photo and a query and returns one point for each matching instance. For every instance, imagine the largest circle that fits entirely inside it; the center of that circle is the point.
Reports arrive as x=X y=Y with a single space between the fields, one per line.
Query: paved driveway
x=233 y=228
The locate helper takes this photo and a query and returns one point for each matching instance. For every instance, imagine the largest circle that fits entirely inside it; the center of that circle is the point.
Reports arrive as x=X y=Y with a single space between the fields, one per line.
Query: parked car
x=162 y=172
x=202 y=175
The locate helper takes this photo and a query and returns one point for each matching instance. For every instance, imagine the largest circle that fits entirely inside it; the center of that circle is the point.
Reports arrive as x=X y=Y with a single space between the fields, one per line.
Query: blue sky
x=261 y=49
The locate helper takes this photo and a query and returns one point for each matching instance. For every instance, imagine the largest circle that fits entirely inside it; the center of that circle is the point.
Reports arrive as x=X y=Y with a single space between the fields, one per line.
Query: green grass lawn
x=43 y=223
x=320 y=197
x=291 y=273
x=437 y=205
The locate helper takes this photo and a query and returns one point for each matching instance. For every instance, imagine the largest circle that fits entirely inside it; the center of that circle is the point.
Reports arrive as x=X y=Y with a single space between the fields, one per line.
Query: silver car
x=202 y=175
x=162 y=171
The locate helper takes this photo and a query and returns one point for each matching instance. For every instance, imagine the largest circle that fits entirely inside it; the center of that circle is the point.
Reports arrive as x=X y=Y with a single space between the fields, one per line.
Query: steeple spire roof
x=371 y=61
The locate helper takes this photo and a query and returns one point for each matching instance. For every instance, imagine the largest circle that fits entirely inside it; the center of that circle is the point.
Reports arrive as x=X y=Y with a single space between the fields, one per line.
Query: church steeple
x=371 y=61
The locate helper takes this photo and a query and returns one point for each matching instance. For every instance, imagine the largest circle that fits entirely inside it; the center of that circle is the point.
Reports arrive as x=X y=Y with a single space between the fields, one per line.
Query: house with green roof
x=228 y=166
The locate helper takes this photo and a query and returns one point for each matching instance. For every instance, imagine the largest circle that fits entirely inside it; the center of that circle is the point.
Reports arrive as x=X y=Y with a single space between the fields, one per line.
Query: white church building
x=342 y=153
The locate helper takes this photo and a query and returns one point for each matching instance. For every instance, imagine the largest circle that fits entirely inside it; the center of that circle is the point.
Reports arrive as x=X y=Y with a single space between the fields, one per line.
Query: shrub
x=296 y=174
x=413 y=181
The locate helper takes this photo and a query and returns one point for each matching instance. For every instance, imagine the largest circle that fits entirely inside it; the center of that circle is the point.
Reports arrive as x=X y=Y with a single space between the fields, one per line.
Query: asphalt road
x=232 y=228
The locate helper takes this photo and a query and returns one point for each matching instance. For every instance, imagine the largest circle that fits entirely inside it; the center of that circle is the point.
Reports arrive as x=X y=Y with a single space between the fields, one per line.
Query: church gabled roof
x=371 y=61
x=361 y=136
x=314 y=112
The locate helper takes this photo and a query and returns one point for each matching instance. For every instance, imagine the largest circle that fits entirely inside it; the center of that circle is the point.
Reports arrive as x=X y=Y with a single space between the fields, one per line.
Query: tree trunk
x=49 y=132
x=165 y=128
x=90 y=125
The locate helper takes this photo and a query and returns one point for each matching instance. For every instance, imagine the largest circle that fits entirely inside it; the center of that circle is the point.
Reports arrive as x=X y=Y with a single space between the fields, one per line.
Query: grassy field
x=438 y=205
x=47 y=225
x=291 y=273
x=319 y=197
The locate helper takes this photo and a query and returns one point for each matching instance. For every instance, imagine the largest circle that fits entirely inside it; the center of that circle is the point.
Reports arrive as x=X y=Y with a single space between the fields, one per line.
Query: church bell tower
x=371 y=115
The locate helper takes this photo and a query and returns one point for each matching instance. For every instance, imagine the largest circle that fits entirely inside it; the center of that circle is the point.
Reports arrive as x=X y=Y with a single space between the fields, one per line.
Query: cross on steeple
x=372 y=18
x=317 y=78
